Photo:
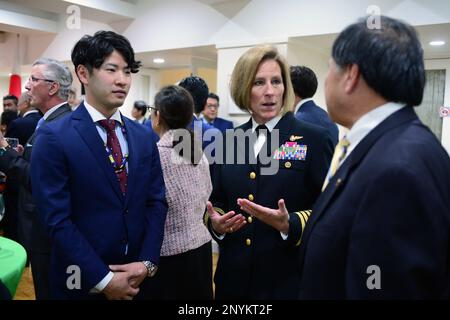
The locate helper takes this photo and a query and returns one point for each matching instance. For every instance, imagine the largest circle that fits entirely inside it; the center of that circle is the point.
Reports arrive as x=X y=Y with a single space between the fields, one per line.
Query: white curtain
x=433 y=98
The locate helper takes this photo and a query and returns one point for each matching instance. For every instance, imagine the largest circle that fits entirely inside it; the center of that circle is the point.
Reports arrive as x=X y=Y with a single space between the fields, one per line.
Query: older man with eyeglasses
x=48 y=88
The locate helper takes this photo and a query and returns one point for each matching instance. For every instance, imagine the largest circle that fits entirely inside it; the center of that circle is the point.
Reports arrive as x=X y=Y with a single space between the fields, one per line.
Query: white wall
x=443 y=64
x=299 y=54
x=305 y=55
x=141 y=90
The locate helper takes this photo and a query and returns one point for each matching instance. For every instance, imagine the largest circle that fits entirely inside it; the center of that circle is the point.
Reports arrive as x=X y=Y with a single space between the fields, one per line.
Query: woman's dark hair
x=176 y=107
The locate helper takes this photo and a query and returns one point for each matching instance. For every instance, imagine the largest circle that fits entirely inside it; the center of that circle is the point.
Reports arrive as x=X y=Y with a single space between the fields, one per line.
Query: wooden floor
x=25 y=291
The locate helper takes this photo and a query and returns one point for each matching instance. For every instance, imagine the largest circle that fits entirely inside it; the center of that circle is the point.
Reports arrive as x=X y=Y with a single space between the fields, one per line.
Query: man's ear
x=83 y=74
x=352 y=77
x=54 y=88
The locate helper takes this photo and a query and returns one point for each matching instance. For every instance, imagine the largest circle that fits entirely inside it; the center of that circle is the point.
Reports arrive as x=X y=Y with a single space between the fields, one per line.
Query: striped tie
x=112 y=142
x=339 y=154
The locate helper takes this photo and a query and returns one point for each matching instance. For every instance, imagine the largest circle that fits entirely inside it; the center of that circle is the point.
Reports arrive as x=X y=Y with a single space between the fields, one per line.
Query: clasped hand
x=126 y=280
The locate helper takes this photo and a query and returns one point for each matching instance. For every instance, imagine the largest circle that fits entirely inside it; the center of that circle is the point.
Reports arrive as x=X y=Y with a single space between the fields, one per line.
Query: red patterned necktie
x=116 y=152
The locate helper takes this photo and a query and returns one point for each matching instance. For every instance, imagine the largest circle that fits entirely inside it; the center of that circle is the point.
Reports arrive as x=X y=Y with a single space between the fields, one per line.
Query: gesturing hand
x=277 y=218
x=228 y=223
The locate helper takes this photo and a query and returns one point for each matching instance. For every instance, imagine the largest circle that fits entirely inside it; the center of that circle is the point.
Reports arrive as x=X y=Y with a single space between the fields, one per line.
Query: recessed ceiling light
x=159 y=60
x=437 y=43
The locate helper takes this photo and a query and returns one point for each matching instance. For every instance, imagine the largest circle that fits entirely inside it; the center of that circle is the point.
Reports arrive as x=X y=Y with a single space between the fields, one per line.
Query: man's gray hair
x=24 y=97
x=58 y=72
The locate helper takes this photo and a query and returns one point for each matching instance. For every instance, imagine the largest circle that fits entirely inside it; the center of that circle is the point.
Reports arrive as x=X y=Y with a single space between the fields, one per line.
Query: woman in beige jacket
x=185 y=269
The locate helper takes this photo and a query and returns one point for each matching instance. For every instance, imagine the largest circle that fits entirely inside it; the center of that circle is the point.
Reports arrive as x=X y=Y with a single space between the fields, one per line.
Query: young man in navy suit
x=381 y=227
x=304 y=81
x=210 y=114
x=98 y=183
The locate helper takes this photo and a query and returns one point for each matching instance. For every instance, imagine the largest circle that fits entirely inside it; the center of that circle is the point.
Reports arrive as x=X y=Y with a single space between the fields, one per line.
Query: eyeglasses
x=33 y=79
x=152 y=108
x=212 y=106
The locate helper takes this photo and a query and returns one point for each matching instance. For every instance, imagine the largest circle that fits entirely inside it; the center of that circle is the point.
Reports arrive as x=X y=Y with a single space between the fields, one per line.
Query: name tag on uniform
x=291 y=151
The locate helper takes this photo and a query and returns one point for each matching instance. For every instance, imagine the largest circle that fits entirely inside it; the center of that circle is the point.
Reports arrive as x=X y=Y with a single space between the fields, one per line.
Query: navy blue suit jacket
x=254 y=262
x=222 y=124
x=147 y=123
x=387 y=206
x=90 y=223
x=208 y=132
x=23 y=128
x=312 y=113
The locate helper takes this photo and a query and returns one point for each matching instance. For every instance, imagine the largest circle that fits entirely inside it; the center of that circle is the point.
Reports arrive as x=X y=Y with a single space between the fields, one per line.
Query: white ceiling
x=323 y=43
x=48 y=11
x=122 y=10
x=180 y=58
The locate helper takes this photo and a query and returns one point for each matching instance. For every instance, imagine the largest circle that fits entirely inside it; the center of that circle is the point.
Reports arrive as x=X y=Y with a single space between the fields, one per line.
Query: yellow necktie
x=339 y=154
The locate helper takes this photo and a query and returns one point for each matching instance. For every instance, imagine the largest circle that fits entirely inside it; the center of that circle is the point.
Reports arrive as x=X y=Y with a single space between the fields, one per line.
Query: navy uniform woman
x=281 y=158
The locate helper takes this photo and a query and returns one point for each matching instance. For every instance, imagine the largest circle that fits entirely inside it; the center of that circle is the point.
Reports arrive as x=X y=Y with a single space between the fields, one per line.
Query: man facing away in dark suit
x=23 y=127
x=210 y=114
x=381 y=227
x=199 y=91
x=138 y=113
x=48 y=87
x=20 y=128
x=304 y=81
x=98 y=182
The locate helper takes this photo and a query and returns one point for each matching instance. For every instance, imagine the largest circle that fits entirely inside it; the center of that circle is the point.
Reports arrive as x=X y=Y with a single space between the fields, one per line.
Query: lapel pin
x=293 y=138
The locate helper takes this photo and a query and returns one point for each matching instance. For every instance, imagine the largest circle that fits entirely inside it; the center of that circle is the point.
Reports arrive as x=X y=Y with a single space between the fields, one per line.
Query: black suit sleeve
x=322 y=160
x=217 y=198
x=13 y=131
x=316 y=175
x=16 y=167
x=399 y=240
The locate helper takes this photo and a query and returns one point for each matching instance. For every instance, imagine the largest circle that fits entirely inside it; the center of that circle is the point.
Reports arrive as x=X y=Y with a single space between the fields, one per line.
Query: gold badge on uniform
x=293 y=138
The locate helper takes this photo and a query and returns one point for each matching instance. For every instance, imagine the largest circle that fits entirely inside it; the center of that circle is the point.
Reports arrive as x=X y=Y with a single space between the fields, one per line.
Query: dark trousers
x=185 y=276
x=40 y=268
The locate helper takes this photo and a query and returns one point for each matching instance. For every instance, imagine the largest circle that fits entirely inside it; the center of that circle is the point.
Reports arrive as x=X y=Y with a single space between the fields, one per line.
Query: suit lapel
x=65 y=108
x=62 y=110
x=337 y=182
x=88 y=132
x=133 y=157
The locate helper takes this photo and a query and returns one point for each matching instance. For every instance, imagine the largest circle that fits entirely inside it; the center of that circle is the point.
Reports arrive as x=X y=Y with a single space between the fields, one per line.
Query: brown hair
x=244 y=74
